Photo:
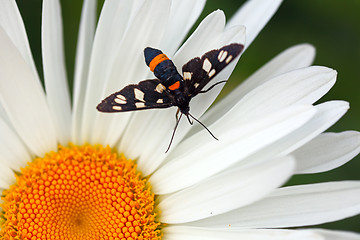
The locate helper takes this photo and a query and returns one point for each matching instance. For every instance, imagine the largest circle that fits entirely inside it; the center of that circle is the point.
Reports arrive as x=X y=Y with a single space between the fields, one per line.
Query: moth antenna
x=203 y=126
x=173 y=134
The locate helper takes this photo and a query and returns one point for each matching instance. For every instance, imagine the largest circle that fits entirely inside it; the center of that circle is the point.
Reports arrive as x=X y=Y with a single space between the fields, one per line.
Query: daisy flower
x=70 y=172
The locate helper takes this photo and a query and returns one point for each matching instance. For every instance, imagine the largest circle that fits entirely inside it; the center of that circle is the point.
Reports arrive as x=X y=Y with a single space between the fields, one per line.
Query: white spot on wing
x=117 y=108
x=120 y=100
x=222 y=55
x=187 y=75
x=139 y=104
x=119 y=96
x=160 y=88
x=196 y=85
x=160 y=100
x=207 y=65
x=228 y=59
x=139 y=95
x=212 y=72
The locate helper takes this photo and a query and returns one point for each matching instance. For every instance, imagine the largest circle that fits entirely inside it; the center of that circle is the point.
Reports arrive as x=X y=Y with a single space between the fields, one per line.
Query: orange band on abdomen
x=175 y=86
x=156 y=60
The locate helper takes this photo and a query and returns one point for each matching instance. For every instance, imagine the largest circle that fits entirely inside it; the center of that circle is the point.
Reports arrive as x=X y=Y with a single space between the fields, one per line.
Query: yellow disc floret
x=85 y=192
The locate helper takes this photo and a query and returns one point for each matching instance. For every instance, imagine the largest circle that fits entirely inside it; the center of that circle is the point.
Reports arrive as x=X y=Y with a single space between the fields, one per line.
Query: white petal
x=327 y=114
x=295 y=206
x=13 y=153
x=183 y=14
x=113 y=22
x=234 y=34
x=57 y=91
x=3 y=115
x=336 y=235
x=197 y=233
x=203 y=39
x=11 y=22
x=148 y=136
x=83 y=53
x=254 y=15
x=296 y=57
x=293 y=58
x=302 y=86
x=194 y=159
x=129 y=66
x=24 y=100
x=327 y=151
x=7 y=176
x=225 y=192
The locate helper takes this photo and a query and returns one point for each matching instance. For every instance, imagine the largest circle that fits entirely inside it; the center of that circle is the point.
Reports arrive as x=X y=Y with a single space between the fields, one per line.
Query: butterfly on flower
x=170 y=88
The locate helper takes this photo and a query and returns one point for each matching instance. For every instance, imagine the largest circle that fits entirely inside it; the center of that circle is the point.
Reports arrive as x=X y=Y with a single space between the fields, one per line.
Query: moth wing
x=146 y=94
x=199 y=71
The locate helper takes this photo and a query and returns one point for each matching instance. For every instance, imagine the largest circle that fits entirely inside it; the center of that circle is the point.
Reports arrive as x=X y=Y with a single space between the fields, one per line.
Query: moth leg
x=173 y=134
x=211 y=87
x=188 y=118
x=177 y=115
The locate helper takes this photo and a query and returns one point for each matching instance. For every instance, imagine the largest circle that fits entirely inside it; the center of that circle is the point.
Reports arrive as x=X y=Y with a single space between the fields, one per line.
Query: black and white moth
x=170 y=88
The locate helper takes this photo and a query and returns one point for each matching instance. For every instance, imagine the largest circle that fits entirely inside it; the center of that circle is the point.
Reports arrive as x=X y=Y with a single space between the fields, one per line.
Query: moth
x=170 y=89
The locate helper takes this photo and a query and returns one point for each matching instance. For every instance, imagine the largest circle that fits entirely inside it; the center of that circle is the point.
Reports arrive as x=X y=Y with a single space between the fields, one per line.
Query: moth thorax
x=182 y=102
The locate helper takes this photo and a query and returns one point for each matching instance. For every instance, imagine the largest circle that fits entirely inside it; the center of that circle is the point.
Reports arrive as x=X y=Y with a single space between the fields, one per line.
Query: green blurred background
x=332 y=26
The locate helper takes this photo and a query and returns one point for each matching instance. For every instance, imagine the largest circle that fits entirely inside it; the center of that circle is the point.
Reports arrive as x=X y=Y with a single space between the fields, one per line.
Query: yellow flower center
x=86 y=192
